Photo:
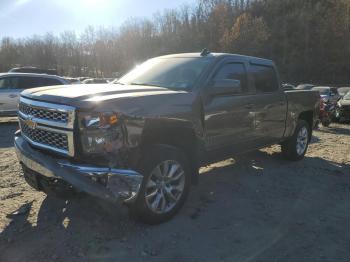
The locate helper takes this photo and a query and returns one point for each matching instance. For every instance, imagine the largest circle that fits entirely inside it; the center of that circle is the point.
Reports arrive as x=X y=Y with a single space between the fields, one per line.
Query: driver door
x=229 y=118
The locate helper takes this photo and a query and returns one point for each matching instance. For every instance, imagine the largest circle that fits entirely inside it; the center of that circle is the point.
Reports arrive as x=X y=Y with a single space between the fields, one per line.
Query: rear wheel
x=296 y=146
x=165 y=185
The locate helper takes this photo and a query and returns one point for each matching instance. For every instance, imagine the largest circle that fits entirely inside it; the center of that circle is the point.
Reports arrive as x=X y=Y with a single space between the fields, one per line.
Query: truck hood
x=85 y=95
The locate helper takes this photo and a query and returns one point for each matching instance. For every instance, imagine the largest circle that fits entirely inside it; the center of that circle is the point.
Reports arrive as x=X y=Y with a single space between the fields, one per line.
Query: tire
x=166 y=172
x=295 y=147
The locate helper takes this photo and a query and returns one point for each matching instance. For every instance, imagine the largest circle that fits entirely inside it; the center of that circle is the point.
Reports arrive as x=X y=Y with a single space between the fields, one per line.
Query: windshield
x=174 y=73
x=323 y=90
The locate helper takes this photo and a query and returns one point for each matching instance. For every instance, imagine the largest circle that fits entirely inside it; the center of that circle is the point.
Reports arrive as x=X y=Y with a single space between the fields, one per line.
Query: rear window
x=265 y=78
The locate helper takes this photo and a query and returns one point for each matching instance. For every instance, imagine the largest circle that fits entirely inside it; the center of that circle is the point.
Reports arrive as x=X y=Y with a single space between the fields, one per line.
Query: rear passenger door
x=229 y=118
x=270 y=104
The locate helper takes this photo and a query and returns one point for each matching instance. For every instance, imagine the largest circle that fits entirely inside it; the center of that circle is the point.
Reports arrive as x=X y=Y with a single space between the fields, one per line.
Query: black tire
x=156 y=155
x=289 y=147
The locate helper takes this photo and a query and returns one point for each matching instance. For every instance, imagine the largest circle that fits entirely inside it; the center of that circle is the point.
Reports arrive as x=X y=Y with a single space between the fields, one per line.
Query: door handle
x=13 y=96
x=249 y=106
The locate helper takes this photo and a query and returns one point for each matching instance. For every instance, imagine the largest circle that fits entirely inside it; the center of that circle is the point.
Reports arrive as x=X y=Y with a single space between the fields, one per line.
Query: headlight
x=98 y=131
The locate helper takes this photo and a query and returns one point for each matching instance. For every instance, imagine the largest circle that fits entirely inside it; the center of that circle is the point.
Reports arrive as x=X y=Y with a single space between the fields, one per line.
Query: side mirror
x=225 y=87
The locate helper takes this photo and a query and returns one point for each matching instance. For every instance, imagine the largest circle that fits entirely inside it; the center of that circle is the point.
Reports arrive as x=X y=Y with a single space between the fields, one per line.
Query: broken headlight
x=99 y=132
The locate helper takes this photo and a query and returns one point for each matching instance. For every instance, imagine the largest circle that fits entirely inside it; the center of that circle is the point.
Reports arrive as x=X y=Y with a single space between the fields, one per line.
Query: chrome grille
x=47 y=125
x=45 y=137
x=43 y=113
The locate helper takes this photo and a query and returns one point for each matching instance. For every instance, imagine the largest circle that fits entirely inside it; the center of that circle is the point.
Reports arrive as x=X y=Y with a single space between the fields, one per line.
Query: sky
x=22 y=18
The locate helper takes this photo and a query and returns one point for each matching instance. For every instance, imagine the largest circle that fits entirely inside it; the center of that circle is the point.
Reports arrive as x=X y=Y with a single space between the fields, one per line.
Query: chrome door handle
x=13 y=96
x=249 y=106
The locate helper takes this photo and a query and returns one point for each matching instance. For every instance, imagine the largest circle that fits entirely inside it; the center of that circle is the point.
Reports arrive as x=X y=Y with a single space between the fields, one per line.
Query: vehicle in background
x=95 y=81
x=72 y=80
x=287 y=86
x=305 y=87
x=82 y=78
x=141 y=142
x=327 y=112
x=12 y=84
x=342 y=111
x=328 y=94
x=342 y=91
x=34 y=70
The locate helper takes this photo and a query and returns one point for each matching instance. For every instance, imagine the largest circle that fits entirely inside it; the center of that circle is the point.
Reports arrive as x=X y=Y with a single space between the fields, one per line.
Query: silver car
x=12 y=84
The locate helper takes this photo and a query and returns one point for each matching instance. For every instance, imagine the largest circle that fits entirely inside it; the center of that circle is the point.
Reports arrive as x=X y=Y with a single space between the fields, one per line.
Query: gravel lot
x=257 y=208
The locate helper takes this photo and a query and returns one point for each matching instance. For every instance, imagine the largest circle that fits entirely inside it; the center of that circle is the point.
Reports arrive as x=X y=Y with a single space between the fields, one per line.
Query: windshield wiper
x=119 y=83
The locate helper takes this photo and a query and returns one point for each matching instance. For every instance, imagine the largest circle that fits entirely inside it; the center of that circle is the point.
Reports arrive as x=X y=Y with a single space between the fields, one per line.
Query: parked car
x=343 y=108
x=12 y=84
x=328 y=94
x=342 y=91
x=305 y=86
x=142 y=141
x=287 y=86
x=327 y=112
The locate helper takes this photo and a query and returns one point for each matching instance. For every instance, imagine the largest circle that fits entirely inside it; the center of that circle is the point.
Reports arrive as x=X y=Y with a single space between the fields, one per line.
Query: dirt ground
x=258 y=208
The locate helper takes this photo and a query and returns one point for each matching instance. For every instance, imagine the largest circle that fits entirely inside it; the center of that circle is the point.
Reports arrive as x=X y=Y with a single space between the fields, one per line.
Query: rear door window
x=9 y=83
x=265 y=78
x=233 y=71
x=26 y=82
x=51 y=82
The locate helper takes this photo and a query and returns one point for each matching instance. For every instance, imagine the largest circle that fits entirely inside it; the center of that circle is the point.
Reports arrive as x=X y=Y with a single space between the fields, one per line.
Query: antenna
x=205 y=52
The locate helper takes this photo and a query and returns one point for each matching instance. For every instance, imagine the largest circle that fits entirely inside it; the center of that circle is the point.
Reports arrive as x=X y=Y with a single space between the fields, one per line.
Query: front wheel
x=165 y=185
x=296 y=146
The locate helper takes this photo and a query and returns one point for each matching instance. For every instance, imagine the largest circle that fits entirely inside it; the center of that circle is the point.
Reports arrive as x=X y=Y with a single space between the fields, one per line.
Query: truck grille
x=43 y=113
x=45 y=137
x=46 y=125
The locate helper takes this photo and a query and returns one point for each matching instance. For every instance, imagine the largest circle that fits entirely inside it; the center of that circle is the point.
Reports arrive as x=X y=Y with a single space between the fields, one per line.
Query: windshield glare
x=173 y=73
x=347 y=96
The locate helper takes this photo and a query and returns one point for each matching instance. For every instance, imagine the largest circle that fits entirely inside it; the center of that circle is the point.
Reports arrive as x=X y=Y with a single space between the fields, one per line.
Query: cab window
x=265 y=78
x=233 y=71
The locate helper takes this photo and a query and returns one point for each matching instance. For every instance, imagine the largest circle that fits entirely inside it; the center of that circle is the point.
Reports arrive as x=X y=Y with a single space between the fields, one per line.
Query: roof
x=30 y=74
x=219 y=55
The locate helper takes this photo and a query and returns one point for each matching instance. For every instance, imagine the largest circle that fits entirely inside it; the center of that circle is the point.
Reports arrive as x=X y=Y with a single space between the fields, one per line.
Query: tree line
x=308 y=39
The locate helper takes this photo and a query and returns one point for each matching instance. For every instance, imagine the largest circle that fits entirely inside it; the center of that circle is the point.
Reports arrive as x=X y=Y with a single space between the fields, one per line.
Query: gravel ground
x=257 y=208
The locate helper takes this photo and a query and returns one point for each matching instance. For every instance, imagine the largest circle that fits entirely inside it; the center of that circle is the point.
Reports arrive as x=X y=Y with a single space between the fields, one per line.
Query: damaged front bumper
x=119 y=185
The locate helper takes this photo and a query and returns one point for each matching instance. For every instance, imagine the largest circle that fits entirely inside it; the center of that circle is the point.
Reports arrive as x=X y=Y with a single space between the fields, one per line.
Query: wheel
x=165 y=185
x=296 y=146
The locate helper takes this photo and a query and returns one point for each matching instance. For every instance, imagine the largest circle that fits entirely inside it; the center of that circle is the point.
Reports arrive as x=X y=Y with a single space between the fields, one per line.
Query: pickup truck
x=140 y=141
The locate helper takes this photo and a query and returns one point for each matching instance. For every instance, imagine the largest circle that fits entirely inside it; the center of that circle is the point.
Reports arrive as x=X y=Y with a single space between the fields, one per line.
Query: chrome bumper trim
x=121 y=185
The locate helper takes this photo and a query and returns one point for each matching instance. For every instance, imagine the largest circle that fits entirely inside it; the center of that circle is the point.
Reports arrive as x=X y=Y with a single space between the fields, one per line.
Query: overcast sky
x=21 y=18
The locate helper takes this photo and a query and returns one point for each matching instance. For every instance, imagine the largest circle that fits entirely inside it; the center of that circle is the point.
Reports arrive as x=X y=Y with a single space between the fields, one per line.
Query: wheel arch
x=181 y=137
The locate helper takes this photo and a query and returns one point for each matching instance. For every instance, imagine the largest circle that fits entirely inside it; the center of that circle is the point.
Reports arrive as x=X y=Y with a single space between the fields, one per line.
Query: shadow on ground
x=7 y=131
x=259 y=208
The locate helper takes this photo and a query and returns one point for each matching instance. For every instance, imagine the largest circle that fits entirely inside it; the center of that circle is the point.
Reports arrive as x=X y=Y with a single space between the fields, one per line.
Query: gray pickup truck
x=140 y=141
